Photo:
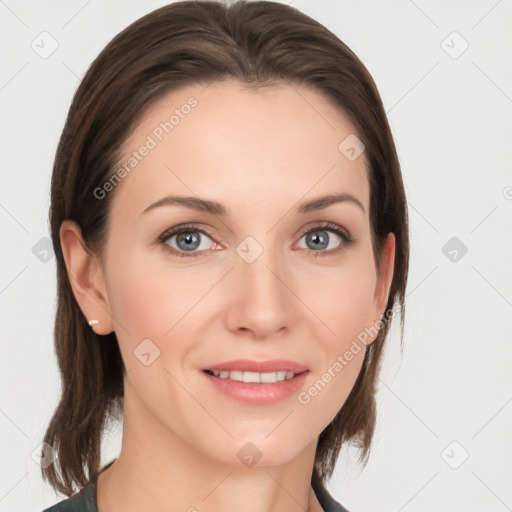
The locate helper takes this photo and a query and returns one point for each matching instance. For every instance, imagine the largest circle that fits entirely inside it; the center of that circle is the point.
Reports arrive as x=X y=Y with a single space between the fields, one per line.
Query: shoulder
x=84 y=501
x=328 y=503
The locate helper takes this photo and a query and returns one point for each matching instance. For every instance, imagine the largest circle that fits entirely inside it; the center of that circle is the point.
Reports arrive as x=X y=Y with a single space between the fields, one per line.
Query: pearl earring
x=93 y=322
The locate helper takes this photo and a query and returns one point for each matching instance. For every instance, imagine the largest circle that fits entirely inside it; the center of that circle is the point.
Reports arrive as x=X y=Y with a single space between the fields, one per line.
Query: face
x=190 y=287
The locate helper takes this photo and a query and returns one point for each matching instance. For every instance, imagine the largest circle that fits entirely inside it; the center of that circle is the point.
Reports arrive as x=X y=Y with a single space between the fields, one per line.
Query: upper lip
x=247 y=365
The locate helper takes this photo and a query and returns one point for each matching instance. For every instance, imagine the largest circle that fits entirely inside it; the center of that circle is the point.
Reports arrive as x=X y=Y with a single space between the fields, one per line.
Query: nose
x=260 y=296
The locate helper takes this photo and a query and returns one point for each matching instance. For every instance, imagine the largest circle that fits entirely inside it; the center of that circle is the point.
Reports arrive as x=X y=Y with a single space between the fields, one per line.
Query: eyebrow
x=215 y=208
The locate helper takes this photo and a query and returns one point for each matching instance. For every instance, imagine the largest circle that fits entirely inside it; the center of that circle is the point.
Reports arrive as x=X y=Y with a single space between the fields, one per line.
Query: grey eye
x=319 y=239
x=189 y=241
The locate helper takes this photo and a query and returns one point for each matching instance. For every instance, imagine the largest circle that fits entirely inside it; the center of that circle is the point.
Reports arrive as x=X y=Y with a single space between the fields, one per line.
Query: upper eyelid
x=176 y=230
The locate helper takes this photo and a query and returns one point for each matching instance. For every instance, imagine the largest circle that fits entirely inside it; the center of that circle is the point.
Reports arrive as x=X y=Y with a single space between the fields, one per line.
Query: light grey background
x=450 y=394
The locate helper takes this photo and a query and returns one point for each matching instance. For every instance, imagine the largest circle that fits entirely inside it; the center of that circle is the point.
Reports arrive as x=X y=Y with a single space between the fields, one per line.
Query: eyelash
x=348 y=240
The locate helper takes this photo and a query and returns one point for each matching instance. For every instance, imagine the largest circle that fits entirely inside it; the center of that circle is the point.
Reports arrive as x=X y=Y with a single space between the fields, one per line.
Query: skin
x=259 y=153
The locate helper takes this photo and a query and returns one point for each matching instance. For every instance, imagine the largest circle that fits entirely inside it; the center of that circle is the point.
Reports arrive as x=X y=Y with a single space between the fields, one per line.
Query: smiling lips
x=264 y=372
x=263 y=378
x=262 y=382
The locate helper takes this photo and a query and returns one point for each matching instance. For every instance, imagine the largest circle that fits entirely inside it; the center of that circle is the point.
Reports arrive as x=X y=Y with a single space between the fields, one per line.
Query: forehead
x=230 y=143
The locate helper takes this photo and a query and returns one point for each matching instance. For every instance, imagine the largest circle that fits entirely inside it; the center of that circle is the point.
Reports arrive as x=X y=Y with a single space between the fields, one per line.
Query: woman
x=230 y=227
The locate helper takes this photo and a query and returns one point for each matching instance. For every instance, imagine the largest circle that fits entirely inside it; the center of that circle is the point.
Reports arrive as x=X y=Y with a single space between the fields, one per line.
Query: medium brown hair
x=198 y=42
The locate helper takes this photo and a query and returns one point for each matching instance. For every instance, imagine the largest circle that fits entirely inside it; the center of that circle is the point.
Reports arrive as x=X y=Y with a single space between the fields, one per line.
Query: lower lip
x=254 y=393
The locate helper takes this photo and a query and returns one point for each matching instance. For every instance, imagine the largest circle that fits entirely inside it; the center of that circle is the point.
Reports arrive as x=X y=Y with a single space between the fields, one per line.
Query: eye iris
x=320 y=241
x=191 y=239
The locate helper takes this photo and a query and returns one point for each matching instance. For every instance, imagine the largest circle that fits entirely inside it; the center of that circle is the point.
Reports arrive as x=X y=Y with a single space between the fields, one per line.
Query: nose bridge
x=261 y=301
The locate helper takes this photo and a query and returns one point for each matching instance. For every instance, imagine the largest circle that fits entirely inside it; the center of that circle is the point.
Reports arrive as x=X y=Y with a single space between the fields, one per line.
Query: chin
x=258 y=451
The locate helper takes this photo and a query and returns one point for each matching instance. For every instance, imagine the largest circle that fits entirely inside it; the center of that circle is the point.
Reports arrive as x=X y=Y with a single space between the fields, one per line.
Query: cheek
x=344 y=310
x=343 y=304
x=333 y=381
x=147 y=303
x=148 y=300
x=151 y=300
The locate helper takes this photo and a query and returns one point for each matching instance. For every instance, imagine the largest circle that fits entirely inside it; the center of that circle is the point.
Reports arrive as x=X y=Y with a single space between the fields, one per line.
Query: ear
x=384 y=278
x=86 y=277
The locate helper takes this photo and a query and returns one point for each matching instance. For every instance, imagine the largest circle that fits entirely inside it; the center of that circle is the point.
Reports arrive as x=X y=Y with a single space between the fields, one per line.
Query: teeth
x=266 y=378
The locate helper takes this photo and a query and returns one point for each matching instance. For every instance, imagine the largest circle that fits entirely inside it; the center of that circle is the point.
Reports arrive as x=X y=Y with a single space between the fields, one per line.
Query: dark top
x=85 y=500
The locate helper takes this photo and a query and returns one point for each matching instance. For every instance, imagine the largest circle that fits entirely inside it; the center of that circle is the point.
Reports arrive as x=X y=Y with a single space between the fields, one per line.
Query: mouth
x=256 y=388
x=254 y=377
